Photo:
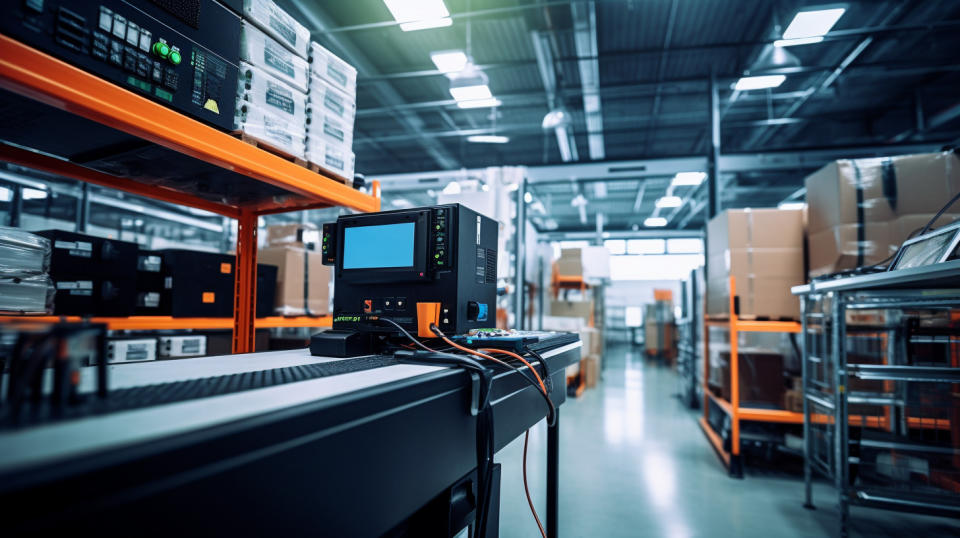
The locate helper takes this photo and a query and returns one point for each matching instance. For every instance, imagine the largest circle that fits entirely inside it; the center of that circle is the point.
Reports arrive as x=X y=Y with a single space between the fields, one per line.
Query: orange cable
x=526 y=489
x=521 y=359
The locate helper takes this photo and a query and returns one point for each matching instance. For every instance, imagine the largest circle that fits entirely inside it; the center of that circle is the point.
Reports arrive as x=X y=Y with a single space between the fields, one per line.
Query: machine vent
x=491 y=269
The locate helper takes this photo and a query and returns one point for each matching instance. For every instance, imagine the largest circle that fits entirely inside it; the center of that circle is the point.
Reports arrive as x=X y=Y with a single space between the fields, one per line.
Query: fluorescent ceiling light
x=761 y=82
x=5 y=194
x=419 y=14
x=655 y=222
x=452 y=188
x=813 y=23
x=34 y=194
x=555 y=118
x=670 y=201
x=488 y=139
x=449 y=61
x=791 y=205
x=471 y=93
x=527 y=197
x=688 y=179
x=479 y=103
x=797 y=41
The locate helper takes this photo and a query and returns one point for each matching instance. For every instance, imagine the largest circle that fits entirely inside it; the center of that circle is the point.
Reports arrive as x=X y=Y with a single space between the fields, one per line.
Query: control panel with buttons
x=181 y=54
x=440 y=240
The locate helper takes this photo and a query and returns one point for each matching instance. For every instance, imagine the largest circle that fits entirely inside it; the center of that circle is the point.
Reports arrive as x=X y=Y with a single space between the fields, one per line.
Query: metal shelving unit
x=729 y=449
x=168 y=323
x=263 y=183
x=689 y=335
x=881 y=383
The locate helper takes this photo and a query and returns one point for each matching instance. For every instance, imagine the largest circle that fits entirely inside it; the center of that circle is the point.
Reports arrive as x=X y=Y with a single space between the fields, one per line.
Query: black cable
x=941 y=212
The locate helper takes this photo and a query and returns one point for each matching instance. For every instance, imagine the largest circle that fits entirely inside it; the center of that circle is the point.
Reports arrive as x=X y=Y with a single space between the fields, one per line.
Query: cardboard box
x=76 y=254
x=258 y=89
x=267 y=53
x=294 y=297
x=86 y=296
x=793 y=401
x=270 y=18
x=293 y=234
x=762 y=249
x=587 y=262
x=198 y=284
x=329 y=67
x=575 y=309
x=591 y=371
x=761 y=379
x=860 y=211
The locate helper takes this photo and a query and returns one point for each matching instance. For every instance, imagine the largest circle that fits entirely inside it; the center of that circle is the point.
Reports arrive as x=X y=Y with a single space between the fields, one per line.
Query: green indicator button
x=438 y=226
x=175 y=57
x=161 y=49
x=436 y=256
x=439 y=263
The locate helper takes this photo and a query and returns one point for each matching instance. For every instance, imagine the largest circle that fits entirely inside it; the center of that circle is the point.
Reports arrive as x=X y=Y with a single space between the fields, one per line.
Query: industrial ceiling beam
x=620 y=234
x=925 y=125
x=585 y=41
x=661 y=72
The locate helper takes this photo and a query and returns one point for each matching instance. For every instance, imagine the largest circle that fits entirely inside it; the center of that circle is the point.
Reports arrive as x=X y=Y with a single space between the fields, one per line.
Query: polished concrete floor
x=634 y=463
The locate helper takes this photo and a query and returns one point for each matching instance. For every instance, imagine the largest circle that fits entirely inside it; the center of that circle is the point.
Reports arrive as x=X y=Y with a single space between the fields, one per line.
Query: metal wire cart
x=881 y=383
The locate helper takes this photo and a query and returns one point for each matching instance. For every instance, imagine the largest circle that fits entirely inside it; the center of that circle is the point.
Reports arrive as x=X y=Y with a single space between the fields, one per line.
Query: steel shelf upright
x=259 y=182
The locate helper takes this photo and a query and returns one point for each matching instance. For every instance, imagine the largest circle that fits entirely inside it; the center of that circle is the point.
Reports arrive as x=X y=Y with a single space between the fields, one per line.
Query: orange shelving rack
x=39 y=76
x=737 y=414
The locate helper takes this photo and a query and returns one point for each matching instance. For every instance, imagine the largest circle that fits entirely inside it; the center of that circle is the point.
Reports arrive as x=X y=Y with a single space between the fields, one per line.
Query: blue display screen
x=372 y=247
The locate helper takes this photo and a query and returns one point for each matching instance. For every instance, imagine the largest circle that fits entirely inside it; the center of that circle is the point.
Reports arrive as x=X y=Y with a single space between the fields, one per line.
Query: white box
x=139 y=350
x=280 y=133
x=333 y=158
x=325 y=98
x=268 y=54
x=331 y=128
x=259 y=89
x=328 y=66
x=175 y=347
x=273 y=20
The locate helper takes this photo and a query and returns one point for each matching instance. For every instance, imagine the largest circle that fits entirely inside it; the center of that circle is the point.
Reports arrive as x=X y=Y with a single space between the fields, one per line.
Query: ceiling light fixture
x=471 y=93
x=479 y=103
x=797 y=41
x=557 y=117
x=813 y=23
x=688 y=179
x=655 y=222
x=449 y=61
x=419 y=14
x=488 y=139
x=527 y=197
x=669 y=201
x=761 y=82
x=34 y=194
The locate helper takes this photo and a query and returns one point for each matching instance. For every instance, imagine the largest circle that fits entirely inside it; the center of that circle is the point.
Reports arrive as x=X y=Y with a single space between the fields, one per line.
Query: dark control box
x=387 y=263
x=182 y=54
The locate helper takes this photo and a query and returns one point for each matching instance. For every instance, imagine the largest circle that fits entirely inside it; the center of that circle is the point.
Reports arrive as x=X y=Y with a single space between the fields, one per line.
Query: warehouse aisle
x=635 y=463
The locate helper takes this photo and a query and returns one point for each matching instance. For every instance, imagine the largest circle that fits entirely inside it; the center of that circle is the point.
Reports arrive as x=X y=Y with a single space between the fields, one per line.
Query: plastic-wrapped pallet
x=333 y=158
x=259 y=90
x=267 y=53
x=327 y=66
x=332 y=129
x=325 y=98
x=26 y=295
x=23 y=253
x=270 y=18
x=279 y=133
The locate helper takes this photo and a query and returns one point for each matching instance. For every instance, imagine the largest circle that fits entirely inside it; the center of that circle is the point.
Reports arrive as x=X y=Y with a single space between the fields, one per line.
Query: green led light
x=438 y=226
x=161 y=49
x=175 y=57
x=436 y=255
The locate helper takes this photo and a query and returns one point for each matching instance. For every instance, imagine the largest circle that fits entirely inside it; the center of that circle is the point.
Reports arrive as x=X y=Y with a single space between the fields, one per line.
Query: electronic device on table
x=514 y=340
x=930 y=248
x=182 y=54
x=413 y=266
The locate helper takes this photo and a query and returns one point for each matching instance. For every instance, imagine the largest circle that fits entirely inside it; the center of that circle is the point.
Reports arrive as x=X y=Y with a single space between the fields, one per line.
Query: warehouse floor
x=635 y=463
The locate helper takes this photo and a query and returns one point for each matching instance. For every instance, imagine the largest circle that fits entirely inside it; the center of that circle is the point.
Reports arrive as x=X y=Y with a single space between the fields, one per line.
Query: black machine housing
x=454 y=264
x=119 y=40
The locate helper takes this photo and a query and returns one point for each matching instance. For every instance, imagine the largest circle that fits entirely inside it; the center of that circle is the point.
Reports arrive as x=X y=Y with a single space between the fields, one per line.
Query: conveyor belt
x=177 y=391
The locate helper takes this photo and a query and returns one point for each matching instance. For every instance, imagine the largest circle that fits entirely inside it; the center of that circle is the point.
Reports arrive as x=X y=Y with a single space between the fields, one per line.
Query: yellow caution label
x=212 y=106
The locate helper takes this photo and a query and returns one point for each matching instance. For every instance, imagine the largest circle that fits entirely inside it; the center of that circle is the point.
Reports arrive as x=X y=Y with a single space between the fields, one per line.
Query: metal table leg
x=553 y=476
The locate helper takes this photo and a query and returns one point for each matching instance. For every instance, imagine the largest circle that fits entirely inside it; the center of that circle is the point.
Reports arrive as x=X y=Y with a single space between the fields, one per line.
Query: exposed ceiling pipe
x=585 y=40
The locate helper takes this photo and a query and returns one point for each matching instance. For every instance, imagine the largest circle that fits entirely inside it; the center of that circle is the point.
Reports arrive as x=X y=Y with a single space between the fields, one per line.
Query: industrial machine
x=413 y=267
x=182 y=54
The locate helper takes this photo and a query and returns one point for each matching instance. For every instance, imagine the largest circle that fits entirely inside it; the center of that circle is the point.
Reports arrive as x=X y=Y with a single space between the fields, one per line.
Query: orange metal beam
x=56 y=165
x=245 y=284
x=734 y=372
x=715 y=441
x=160 y=323
x=37 y=75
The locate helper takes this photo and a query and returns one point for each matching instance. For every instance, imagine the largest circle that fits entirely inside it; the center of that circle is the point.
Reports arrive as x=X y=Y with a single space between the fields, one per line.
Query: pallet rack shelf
x=737 y=414
x=166 y=323
x=881 y=386
x=285 y=186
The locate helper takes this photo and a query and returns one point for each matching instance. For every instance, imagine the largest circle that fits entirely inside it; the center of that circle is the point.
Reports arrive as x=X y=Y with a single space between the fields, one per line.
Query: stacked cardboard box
x=860 y=211
x=332 y=110
x=659 y=330
x=763 y=250
x=590 y=263
x=303 y=282
x=25 y=286
x=271 y=92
